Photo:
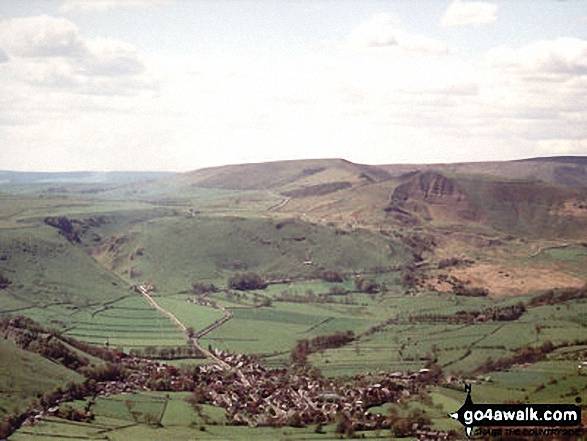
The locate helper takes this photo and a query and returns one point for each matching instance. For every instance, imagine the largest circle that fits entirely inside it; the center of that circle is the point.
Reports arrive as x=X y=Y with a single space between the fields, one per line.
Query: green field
x=161 y=416
x=127 y=323
x=290 y=227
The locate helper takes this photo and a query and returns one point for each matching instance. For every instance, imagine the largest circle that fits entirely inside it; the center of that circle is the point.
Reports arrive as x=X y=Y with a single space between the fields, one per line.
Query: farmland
x=471 y=289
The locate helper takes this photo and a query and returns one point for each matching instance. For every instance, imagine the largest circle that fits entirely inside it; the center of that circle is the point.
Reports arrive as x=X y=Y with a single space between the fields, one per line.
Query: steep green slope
x=24 y=375
x=45 y=268
x=174 y=252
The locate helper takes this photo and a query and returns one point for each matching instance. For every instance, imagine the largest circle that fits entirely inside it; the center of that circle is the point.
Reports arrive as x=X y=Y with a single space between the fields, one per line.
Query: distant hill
x=83 y=177
x=287 y=175
x=562 y=170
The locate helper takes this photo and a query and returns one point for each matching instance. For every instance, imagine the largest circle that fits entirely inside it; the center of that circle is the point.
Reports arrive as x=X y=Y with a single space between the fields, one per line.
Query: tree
x=5 y=282
x=247 y=282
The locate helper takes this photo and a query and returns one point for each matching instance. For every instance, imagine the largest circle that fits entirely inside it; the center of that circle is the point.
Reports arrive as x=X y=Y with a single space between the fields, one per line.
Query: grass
x=45 y=269
x=126 y=323
x=123 y=417
x=24 y=375
x=177 y=251
x=275 y=329
x=191 y=315
x=150 y=236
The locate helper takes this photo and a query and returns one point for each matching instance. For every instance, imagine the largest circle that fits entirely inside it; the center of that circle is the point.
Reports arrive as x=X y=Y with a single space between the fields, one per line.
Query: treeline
x=305 y=347
x=30 y=336
x=167 y=353
x=552 y=297
x=526 y=354
x=498 y=314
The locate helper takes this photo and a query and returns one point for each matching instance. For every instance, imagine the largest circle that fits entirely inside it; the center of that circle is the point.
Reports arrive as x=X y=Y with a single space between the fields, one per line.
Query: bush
x=5 y=282
x=247 y=282
x=332 y=276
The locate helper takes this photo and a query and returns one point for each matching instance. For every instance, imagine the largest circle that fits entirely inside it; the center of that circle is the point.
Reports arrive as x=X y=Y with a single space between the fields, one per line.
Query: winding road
x=192 y=339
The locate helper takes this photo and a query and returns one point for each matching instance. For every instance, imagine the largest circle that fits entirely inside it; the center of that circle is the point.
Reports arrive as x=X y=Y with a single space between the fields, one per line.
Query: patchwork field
x=336 y=247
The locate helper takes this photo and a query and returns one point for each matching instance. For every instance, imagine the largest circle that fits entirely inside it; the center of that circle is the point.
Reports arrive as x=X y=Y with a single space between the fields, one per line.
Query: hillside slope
x=518 y=207
x=285 y=174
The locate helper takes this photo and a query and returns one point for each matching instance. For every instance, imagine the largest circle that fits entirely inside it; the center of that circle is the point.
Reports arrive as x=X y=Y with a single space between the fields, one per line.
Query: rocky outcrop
x=432 y=195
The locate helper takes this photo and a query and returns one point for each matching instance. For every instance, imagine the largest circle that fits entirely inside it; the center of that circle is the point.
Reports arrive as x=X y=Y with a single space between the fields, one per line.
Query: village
x=255 y=396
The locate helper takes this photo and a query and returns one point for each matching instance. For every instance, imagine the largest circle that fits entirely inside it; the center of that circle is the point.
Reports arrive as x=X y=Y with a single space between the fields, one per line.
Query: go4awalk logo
x=542 y=417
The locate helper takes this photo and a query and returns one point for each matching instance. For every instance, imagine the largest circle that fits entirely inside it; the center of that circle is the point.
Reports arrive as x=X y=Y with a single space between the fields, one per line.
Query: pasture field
x=162 y=416
x=190 y=314
x=275 y=329
x=127 y=323
x=458 y=348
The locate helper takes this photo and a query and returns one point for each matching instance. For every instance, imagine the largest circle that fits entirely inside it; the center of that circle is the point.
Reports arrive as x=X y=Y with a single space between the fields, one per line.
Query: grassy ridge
x=174 y=252
x=46 y=269
x=24 y=375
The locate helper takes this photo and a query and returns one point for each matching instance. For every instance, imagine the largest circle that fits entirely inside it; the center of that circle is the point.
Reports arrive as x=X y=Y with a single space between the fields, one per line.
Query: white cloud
x=461 y=14
x=41 y=36
x=386 y=95
x=563 y=146
x=560 y=57
x=104 y=5
x=382 y=30
x=50 y=51
x=3 y=56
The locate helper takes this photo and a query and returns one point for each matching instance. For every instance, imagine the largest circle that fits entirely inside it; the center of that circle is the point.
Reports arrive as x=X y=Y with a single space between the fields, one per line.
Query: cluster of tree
x=69 y=413
x=5 y=282
x=406 y=426
x=247 y=282
x=419 y=243
x=104 y=372
x=410 y=279
x=369 y=286
x=30 y=336
x=65 y=227
x=527 y=354
x=305 y=347
x=200 y=288
x=552 y=297
x=331 y=276
x=11 y=423
x=52 y=348
x=463 y=288
x=452 y=261
x=380 y=327
x=72 y=391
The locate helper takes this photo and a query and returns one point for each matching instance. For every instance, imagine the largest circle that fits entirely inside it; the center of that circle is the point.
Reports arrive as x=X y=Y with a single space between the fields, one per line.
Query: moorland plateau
x=311 y=299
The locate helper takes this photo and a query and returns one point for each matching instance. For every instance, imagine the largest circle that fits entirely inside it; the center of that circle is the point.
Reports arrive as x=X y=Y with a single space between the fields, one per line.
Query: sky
x=177 y=85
